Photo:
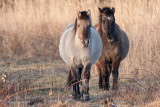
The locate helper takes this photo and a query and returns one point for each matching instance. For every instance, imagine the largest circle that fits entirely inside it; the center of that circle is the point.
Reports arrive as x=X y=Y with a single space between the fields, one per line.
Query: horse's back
x=124 y=40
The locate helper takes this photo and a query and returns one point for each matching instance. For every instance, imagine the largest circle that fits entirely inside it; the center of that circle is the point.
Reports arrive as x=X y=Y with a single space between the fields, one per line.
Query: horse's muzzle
x=85 y=43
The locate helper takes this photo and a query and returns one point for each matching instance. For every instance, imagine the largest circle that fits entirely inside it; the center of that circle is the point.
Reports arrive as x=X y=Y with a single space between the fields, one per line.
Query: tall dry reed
x=30 y=29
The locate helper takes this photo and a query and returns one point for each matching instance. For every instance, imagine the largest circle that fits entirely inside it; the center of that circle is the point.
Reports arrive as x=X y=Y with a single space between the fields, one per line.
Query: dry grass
x=45 y=83
x=30 y=31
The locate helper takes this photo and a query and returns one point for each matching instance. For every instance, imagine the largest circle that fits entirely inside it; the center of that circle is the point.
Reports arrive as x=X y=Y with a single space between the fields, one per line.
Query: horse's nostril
x=83 y=42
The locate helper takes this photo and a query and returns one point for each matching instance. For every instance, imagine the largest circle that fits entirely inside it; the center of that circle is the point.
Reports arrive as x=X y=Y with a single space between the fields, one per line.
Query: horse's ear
x=79 y=14
x=88 y=12
x=100 y=10
x=113 y=9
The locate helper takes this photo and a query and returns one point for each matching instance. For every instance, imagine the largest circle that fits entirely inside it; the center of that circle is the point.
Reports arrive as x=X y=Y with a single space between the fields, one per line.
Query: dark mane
x=84 y=15
x=75 y=27
x=105 y=11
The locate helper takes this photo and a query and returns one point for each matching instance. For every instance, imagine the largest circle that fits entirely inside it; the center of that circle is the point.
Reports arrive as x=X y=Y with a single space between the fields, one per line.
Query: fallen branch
x=4 y=100
x=69 y=88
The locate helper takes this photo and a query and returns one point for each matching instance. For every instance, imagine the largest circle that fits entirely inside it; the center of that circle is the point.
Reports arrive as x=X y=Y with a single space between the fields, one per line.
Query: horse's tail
x=69 y=80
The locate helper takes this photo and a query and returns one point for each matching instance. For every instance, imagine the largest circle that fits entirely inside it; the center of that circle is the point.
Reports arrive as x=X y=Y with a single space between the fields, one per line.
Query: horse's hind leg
x=69 y=80
x=115 y=67
x=98 y=69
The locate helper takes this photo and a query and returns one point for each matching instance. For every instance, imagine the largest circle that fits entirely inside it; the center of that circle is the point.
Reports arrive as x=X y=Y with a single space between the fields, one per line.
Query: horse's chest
x=81 y=58
x=79 y=62
x=111 y=50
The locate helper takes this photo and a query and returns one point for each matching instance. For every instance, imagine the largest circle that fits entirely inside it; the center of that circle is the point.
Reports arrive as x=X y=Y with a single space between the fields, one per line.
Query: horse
x=80 y=47
x=115 y=48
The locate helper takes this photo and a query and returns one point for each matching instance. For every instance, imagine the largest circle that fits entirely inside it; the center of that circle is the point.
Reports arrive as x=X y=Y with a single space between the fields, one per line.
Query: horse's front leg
x=104 y=70
x=105 y=77
x=115 y=67
x=74 y=80
x=85 y=83
x=78 y=75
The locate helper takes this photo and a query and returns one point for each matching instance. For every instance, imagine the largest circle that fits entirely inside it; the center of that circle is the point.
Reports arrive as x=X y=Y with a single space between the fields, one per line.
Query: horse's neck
x=105 y=37
x=76 y=43
x=103 y=34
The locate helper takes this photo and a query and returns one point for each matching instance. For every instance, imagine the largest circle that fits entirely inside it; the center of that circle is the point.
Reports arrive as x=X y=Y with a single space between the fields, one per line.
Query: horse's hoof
x=100 y=87
x=77 y=97
x=74 y=96
x=105 y=88
x=115 y=88
x=86 y=97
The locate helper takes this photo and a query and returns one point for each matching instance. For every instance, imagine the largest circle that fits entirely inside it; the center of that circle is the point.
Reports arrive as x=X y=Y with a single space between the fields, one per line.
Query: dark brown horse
x=115 y=47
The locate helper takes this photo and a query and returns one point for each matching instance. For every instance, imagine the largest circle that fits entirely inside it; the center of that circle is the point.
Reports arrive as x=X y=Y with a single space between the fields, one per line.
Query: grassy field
x=29 y=36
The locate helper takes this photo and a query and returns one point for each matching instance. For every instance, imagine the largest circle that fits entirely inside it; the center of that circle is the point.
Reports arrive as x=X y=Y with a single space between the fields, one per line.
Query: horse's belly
x=64 y=47
x=111 y=51
x=76 y=54
x=96 y=49
x=125 y=47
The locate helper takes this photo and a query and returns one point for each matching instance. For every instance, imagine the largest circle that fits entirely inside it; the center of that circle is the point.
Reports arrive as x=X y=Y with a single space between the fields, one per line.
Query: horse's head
x=82 y=27
x=107 y=21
